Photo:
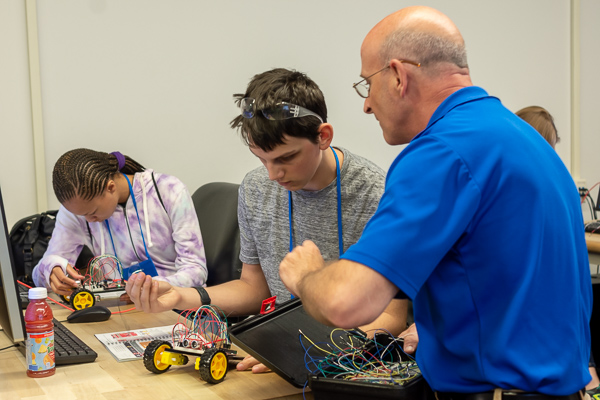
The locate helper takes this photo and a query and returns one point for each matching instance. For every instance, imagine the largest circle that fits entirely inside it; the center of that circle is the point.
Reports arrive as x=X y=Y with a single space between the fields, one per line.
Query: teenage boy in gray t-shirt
x=264 y=218
x=283 y=120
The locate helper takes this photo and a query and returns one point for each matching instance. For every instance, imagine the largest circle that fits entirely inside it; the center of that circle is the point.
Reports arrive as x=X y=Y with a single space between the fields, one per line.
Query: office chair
x=216 y=207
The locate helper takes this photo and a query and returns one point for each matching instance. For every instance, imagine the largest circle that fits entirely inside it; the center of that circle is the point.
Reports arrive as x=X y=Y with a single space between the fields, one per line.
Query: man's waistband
x=506 y=396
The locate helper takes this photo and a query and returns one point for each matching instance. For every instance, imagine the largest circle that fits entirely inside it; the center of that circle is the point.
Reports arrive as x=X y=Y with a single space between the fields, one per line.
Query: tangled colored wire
x=353 y=357
x=205 y=327
x=103 y=268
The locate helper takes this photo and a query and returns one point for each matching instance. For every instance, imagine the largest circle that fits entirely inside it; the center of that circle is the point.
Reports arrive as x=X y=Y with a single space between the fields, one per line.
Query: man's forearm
x=318 y=293
x=345 y=294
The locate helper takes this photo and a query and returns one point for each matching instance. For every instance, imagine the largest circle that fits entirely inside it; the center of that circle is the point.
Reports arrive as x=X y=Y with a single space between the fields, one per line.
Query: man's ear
x=325 y=135
x=398 y=70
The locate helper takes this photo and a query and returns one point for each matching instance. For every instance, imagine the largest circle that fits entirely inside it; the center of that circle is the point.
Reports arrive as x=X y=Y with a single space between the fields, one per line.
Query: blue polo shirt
x=481 y=225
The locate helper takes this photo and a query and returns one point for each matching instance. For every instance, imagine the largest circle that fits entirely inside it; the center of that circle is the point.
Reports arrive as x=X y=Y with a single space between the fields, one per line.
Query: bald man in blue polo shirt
x=480 y=225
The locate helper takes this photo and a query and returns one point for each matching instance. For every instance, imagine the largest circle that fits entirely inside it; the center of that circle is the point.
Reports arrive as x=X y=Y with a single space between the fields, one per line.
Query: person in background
x=543 y=122
x=498 y=314
x=306 y=189
x=113 y=205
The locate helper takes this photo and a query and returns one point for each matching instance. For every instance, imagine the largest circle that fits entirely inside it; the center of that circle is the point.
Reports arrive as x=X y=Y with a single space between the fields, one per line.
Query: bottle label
x=40 y=351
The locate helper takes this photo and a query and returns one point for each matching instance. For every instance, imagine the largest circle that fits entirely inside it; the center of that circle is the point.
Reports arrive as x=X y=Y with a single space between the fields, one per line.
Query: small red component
x=268 y=305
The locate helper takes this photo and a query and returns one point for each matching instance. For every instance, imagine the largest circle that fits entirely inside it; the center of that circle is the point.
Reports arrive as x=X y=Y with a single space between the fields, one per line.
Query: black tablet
x=274 y=339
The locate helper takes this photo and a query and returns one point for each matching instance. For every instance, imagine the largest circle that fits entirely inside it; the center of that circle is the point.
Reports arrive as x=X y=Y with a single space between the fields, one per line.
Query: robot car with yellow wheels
x=102 y=281
x=204 y=335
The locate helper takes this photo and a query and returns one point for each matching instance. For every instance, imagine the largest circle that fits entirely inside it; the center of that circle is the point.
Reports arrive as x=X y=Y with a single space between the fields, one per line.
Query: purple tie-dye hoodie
x=172 y=236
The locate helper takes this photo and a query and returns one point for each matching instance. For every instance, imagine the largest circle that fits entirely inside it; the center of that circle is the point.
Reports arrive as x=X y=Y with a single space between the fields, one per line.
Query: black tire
x=82 y=298
x=213 y=365
x=152 y=356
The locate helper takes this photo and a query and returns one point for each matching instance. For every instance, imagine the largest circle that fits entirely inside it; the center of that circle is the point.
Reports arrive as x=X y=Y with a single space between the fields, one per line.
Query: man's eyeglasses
x=276 y=112
x=363 y=87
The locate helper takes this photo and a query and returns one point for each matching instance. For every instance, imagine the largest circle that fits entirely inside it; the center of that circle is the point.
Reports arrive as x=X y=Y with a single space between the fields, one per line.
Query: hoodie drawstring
x=145 y=207
x=102 y=247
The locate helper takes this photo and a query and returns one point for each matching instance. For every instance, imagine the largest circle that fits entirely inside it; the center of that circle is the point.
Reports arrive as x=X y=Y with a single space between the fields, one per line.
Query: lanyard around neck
x=339 y=207
x=138 y=218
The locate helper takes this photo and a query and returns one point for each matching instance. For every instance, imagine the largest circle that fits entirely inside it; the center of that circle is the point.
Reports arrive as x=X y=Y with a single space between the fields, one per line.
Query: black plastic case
x=274 y=340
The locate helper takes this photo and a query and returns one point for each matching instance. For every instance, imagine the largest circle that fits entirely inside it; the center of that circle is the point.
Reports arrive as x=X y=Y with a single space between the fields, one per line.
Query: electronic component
x=201 y=333
x=350 y=356
x=593 y=226
x=102 y=281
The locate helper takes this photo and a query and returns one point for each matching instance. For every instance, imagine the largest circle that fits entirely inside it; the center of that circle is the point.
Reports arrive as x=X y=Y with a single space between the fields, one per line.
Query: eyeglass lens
x=279 y=111
x=362 y=89
x=247 y=107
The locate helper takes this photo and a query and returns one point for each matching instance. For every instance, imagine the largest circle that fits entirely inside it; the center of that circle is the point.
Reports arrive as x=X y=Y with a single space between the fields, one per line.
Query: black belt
x=505 y=396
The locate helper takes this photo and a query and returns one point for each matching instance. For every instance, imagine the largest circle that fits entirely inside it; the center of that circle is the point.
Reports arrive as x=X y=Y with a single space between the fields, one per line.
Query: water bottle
x=40 y=335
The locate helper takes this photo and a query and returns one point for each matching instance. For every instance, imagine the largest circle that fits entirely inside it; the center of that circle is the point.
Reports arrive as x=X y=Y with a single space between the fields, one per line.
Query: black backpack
x=29 y=239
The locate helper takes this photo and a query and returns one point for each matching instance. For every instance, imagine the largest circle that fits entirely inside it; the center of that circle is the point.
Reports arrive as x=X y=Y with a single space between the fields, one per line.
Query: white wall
x=16 y=152
x=590 y=90
x=154 y=79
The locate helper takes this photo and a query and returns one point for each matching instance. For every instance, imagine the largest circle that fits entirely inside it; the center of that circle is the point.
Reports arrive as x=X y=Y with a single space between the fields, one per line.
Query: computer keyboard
x=593 y=226
x=24 y=296
x=68 y=348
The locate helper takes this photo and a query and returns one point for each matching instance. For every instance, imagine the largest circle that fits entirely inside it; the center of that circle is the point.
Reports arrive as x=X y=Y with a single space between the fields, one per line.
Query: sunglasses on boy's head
x=276 y=112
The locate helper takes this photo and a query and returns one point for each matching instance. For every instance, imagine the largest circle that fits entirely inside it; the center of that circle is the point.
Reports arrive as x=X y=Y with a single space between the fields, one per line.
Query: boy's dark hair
x=270 y=88
x=85 y=173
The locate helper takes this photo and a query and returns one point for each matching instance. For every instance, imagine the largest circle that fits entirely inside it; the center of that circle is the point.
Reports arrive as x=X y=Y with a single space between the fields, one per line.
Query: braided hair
x=85 y=173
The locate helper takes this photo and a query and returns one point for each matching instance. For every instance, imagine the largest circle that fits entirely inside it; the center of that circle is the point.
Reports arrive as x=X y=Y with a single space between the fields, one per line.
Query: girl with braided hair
x=113 y=205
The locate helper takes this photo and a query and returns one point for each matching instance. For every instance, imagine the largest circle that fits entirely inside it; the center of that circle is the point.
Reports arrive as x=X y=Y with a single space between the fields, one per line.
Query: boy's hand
x=251 y=362
x=151 y=296
x=411 y=339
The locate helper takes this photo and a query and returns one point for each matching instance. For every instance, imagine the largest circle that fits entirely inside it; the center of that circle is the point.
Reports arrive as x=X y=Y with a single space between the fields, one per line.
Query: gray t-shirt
x=264 y=216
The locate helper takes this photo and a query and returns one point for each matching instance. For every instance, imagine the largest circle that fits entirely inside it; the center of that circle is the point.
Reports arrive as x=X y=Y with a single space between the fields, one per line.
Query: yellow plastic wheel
x=218 y=366
x=82 y=298
x=153 y=355
x=213 y=365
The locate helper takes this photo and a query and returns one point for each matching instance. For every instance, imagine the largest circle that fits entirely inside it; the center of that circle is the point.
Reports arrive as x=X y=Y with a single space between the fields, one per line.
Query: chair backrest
x=216 y=206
